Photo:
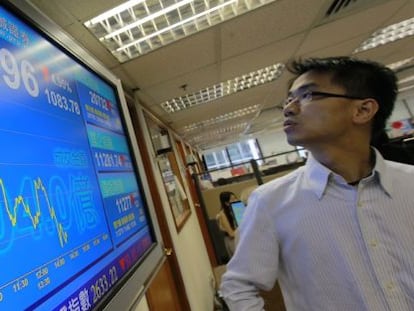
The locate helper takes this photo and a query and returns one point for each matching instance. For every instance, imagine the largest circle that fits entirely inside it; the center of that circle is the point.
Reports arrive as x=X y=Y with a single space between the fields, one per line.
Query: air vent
x=339 y=5
x=339 y=8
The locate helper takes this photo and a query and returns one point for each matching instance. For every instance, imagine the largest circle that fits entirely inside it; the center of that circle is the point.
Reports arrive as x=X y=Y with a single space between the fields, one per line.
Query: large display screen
x=73 y=216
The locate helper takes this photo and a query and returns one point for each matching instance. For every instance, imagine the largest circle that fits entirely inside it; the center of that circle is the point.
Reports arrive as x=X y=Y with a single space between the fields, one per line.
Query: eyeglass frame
x=293 y=98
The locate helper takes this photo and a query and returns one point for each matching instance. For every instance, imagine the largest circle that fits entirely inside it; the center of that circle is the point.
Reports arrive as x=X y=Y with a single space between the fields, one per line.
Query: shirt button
x=390 y=285
x=373 y=243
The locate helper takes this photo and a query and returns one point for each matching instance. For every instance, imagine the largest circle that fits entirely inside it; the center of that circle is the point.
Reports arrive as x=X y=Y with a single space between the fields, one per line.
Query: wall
x=142 y=305
x=273 y=143
x=189 y=243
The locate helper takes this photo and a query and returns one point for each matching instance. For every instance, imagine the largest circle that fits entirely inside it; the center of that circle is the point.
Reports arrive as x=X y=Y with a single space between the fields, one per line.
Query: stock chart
x=72 y=215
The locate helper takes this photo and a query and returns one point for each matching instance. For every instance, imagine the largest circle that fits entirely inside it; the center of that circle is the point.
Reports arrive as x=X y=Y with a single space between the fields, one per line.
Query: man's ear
x=365 y=110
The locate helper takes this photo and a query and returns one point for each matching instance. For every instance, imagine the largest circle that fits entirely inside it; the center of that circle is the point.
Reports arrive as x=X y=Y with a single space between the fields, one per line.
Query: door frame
x=159 y=210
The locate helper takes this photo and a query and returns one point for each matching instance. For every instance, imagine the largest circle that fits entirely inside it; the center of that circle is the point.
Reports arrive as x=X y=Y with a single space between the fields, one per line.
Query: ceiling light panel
x=388 y=34
x=402 y=64
x=137 y=27
x=221 y=118
x=220 y=133
x=403 y=89
x=244 y=82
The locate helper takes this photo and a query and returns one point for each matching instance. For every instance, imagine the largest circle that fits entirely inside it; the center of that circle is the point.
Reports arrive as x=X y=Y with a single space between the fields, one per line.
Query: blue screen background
x=72 y=213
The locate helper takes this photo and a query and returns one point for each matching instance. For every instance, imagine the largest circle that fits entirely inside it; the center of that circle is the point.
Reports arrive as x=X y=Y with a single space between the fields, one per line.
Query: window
x=221 y=158
x=235 y=154
x=238 y=152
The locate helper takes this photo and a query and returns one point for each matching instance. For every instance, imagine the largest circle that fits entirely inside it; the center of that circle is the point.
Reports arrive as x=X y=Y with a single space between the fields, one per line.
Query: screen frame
x=136 y=281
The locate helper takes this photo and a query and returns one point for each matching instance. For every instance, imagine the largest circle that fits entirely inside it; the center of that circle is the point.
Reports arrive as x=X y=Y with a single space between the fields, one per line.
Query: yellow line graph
x=35 y=218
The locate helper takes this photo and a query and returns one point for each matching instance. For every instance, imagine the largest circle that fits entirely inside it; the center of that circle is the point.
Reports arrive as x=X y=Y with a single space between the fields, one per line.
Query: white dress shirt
x=332 y=246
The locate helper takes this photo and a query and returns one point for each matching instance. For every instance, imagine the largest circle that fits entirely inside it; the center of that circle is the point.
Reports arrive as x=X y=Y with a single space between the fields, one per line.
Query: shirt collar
x=317 y=175
x=382 y=172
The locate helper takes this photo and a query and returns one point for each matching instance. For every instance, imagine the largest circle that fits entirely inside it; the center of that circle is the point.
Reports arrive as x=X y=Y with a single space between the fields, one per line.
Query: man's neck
x=352 y=164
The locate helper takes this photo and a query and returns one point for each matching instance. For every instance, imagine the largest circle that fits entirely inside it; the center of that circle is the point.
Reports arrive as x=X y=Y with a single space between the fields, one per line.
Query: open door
x=162 y=294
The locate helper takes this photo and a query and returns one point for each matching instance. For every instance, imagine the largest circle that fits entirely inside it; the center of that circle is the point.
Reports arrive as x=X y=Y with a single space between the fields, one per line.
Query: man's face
x=316 y=120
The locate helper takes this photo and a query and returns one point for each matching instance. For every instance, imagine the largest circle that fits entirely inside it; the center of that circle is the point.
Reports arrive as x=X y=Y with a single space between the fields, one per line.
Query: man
x=338 y=233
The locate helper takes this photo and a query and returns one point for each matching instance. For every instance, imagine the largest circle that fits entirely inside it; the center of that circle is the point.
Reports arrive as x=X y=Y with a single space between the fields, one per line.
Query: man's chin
x=294 y=141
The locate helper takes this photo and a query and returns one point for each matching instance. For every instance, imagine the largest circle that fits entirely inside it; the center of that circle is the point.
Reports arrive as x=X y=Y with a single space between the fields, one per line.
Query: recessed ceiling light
x=405 y=80
x=401 y=64
x=403 y=89
x=388 y=34
x=246 y=81
x=221 y=118
x=137 y=27
x=222 y=132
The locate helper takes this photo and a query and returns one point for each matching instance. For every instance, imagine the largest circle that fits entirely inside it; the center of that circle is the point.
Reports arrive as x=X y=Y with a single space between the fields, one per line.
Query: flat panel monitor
x=238 y=209
x=75 y=222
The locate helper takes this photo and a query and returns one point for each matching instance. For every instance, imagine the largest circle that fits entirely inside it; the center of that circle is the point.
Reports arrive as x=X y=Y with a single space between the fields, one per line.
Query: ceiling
x=268 y=35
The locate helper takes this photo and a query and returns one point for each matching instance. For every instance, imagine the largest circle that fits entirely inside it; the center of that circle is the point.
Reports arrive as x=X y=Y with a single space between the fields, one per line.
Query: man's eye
x=306 y=96
x=288 y=100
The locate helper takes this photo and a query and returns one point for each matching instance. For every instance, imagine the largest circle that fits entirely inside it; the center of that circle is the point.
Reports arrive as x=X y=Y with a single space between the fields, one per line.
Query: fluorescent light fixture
x=221 y=132
x=405 y=80
x=137 y=27
x=401 y=64
x=399 y=67
x=238 y=84
x=388 y=34
x=222 y=118
x=175 y=25
x=403 y=89
x=146 y=19
x=112 y=12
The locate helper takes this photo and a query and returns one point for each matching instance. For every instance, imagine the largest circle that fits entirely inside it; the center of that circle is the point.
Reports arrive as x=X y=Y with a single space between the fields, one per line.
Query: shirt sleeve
x=254 y=266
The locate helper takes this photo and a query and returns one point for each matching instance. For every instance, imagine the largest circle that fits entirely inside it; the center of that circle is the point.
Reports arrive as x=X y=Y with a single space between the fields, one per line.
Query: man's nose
x=291 y=108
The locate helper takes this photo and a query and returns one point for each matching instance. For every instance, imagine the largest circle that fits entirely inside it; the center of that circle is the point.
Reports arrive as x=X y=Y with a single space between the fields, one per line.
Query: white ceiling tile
x=174 y=60
x=273 y=22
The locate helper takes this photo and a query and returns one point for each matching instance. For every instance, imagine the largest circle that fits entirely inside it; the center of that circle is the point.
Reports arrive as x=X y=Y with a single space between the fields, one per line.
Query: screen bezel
x=135 y=282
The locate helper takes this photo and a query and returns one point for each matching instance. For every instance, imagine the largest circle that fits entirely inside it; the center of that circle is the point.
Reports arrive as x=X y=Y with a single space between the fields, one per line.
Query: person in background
x=337 y=233
x=226 y=220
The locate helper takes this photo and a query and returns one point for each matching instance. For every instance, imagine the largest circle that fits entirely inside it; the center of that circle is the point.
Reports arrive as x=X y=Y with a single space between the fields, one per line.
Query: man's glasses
x=308 y=96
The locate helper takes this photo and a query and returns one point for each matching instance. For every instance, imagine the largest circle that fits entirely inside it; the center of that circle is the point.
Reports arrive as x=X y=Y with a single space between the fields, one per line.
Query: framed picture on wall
x=170 y=172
